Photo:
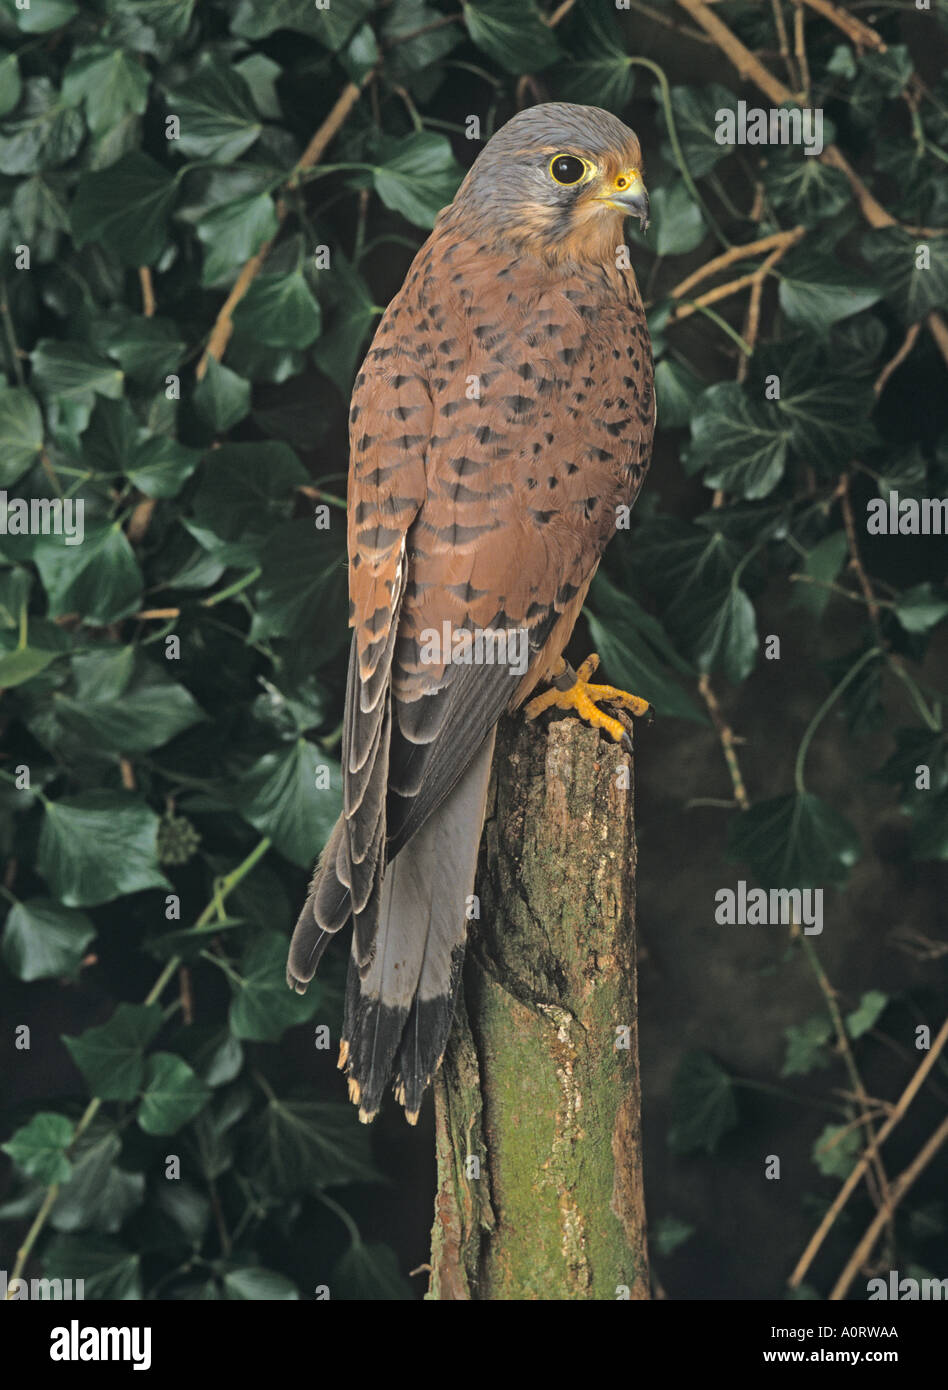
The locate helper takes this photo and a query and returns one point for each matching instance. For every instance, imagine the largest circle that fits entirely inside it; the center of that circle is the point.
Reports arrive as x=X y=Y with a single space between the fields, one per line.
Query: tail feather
x=402 y=1002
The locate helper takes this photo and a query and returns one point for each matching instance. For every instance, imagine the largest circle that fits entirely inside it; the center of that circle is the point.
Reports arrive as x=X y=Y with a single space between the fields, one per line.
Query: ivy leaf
x=243 y=491
x=794 y=841
x=111 y=1056
x=677 y=389
x=808 y=190
x=512 y=33
x=98 y=579
x=234 y=232
x=258 y=1285
x=806 y=1046
x=221 y=398
x=679 y=222
x=836 y=1150
x=301 y=576
x=21 y=433
x=822 y=564
x=126 y=208
x=817 y=291
x=339 y=349
x=217 y=114
x=703 y=1105
x=670 y=1233
x=370 y=1272
x=110 y=82
x=44 y=135
x=872 y=1006
x=10 y=85
x=828 y=415
x=695 y=110
x=598 y=70
x=262 y=1007
x=43 y=939
x=279 y=797
x=738 y=440
x=39 y=1148
x=97 y=846
x=279 y=310
x=69 y=371
x=635 y=652
x=173 y=1094
x=146 y=349
x=99 y=1194
x=160 y=466
x=299 y=1145
x=408 y=57
x=417 y=176
x=170 y=19
x=43 y=16
x=255 y=19
x=108 y=1270
x=708 y=613
x=920 y=609
x=911 y=289
x=149 y=711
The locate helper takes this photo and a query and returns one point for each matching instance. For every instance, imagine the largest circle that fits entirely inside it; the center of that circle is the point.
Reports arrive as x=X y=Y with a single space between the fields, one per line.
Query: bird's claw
x=581 y=696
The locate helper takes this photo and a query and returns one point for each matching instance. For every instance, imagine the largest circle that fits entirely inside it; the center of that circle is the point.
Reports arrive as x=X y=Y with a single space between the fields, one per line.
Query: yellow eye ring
x=569 y=169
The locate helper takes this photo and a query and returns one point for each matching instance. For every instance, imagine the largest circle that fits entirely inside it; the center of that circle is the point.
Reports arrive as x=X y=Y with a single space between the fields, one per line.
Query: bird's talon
x=581 y=696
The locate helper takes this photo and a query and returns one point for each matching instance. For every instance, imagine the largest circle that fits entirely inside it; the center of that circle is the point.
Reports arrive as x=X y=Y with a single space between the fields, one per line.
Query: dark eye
x=567 y=168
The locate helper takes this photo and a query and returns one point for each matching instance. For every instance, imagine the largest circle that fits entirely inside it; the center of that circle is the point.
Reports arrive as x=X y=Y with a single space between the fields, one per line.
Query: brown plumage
x=503 y=413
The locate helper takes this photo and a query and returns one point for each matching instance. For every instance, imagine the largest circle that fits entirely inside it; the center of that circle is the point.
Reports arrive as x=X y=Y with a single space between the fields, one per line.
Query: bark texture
x=538 y=1101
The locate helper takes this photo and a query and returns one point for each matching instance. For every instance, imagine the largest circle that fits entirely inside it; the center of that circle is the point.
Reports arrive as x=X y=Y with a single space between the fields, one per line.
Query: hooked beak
x=629 y=196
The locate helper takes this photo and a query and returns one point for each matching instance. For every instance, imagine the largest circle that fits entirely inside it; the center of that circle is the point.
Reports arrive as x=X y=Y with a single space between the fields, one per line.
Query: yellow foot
x=572 y=690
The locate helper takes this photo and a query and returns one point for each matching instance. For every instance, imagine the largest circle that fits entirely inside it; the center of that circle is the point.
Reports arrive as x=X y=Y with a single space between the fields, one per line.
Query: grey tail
x=400 y=1003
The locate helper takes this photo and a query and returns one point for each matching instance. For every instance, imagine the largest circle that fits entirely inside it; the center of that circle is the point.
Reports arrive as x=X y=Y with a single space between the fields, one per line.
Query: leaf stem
x=821 y=713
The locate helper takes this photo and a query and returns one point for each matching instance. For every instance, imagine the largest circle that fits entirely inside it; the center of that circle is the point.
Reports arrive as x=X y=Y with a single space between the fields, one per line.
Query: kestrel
x=502 y=416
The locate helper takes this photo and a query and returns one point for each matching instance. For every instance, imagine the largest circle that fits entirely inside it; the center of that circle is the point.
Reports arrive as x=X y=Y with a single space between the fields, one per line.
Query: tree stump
x=538 y=1108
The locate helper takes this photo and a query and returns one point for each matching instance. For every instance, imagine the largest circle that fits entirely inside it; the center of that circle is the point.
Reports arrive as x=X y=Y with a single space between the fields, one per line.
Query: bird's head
x=556 y=180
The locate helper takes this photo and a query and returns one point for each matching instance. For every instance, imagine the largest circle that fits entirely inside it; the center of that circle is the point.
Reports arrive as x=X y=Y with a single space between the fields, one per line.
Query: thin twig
x=755 y=278
x=738 y=253
x=895 y=362
x=148 y=291
x=855 y=558
x=855 y=1080
x=11 y=336
x=900 y=1187
x=799 y=46
x=223 y=324
x=860 y=34
x=849 y=1186
x=726 y=735
x=781 y=28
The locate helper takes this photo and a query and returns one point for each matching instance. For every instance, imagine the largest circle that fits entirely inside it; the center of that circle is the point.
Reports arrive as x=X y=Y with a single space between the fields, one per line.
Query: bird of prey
x=501 y=420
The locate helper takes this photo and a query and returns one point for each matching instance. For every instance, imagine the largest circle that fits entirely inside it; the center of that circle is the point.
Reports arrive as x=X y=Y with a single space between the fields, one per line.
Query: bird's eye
x=567 y=168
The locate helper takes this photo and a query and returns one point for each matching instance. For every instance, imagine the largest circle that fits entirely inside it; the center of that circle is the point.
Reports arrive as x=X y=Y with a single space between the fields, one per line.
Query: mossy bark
x=538 y=1101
